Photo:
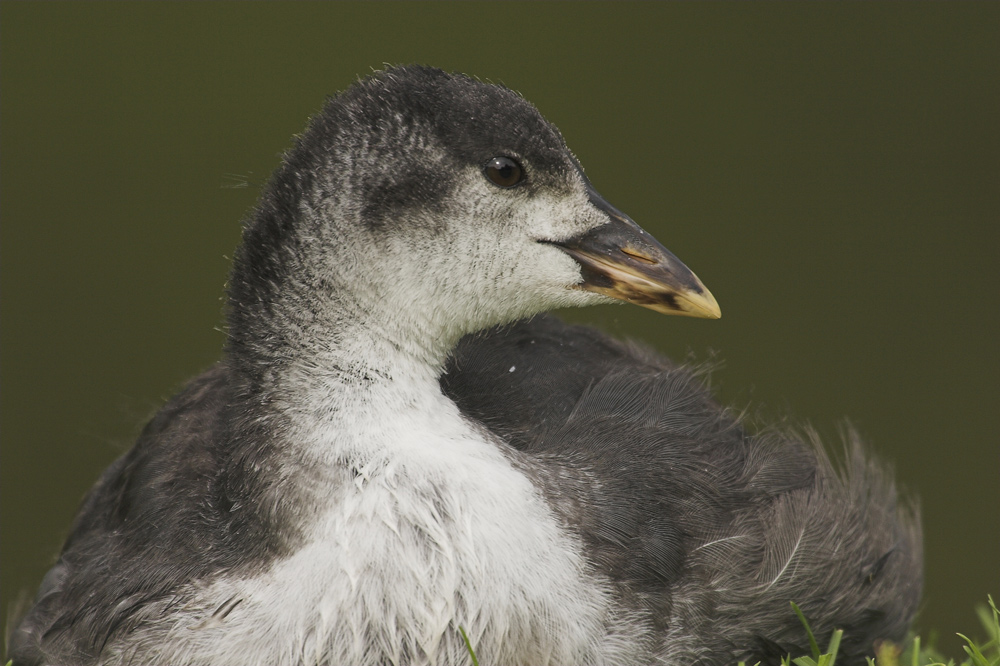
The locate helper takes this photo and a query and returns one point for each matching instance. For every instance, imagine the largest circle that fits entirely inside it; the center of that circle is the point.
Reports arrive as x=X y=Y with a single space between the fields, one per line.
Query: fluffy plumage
x=709 y=528
x=356 y=480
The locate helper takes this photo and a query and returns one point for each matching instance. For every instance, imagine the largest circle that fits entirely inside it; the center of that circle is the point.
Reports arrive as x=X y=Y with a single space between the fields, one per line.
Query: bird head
x=452 y=205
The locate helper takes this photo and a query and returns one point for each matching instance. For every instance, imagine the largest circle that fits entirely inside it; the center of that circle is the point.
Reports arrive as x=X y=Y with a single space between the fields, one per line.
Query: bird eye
x=504 y=171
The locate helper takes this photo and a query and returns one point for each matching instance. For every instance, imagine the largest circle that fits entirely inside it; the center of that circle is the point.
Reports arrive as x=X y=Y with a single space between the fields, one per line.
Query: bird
x=401 y=458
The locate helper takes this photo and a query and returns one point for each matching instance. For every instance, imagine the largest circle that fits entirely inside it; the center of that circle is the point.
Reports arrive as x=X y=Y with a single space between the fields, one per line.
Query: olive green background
x=831 y=171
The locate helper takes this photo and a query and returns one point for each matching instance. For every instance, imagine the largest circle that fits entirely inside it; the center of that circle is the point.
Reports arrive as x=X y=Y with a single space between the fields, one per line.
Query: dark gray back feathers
x=710 y=528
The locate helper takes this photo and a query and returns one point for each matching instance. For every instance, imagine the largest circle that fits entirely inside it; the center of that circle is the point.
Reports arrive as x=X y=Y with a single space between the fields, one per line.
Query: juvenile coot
x=391 y=449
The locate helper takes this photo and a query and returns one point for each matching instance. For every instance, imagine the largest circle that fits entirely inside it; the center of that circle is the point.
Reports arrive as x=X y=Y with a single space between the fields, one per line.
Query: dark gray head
x=437 y=205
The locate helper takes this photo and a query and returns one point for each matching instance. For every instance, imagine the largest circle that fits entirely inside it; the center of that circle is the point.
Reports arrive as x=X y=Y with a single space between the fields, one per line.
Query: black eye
x=504 y=171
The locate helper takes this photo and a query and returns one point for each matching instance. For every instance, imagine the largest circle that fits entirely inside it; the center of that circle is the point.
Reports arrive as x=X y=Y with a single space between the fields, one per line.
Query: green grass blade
x=834 y=645
x=978 y=658
x=468 y=646
x=990 y=618
x=813 y=645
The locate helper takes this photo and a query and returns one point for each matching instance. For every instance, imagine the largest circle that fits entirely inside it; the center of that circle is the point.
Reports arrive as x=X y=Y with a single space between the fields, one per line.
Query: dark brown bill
x=619 y=259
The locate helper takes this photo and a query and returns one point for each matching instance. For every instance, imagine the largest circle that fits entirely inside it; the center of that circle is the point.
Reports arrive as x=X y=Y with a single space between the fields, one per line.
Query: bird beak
x=619 y=259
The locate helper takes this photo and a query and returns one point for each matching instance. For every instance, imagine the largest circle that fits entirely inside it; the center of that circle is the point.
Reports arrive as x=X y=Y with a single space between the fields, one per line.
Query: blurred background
x=830 y=171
